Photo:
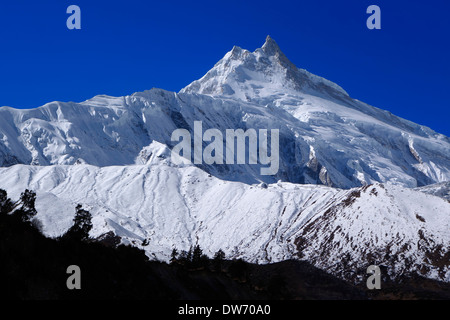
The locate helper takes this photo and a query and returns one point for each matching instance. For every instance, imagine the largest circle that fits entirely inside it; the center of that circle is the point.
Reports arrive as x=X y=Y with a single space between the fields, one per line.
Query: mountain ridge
x=329 y=138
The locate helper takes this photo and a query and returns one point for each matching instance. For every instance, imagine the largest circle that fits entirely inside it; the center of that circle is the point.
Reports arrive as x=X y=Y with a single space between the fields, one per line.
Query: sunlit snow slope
x=178 y=207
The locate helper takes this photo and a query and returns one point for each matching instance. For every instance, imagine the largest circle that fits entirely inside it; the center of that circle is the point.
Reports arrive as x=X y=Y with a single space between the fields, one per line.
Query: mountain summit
x=266 y=72
x=270 y=47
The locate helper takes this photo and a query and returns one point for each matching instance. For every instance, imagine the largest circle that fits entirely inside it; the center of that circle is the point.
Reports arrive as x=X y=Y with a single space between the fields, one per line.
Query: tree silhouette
x=219 y=257
x=6 y=205
x=27 y=208
x=174 y=255
x=82 y=225
x=198 y=258
x=197 y=255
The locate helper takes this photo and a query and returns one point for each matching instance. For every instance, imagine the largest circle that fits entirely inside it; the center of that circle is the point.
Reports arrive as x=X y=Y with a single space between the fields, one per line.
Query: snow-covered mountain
x=326 y=137
x=341 y=198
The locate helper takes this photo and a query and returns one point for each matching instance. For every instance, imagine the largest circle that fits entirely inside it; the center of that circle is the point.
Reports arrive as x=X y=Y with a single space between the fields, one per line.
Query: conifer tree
x=82 y=225
x=174 y=255
x=218 y=260
x=189 y=255
x=197 y=255
x=27 y=208
x=6 y=205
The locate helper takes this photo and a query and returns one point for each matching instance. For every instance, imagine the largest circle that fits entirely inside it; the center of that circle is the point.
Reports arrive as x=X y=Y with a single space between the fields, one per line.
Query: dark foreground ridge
x=35 y=267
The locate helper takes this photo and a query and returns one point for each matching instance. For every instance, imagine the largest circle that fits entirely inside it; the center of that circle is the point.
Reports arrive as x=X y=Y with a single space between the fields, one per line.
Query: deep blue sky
x=129 y=46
